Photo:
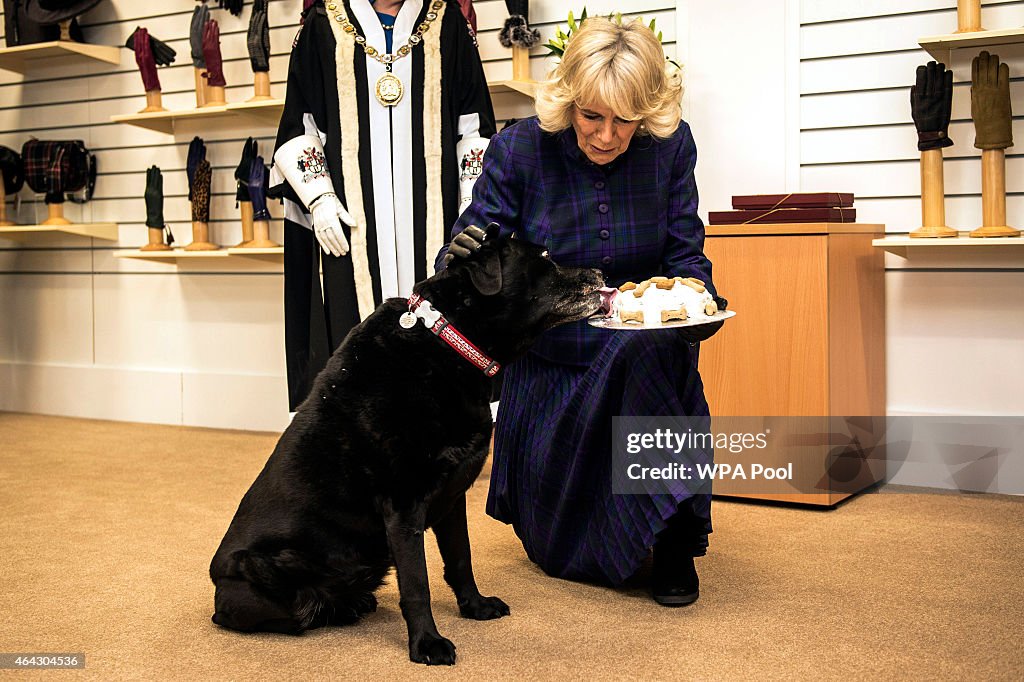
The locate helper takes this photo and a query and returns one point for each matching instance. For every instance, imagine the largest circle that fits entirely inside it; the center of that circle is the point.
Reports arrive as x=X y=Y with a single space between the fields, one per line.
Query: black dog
x=395 y=430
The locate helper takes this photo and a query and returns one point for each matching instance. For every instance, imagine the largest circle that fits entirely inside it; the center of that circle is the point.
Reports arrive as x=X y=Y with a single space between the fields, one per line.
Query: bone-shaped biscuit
x=665 y=284
x=628 y=286
x=693 y=284
x=679 y=314
x=711 y=308
x=641 y=288
x=631 y=316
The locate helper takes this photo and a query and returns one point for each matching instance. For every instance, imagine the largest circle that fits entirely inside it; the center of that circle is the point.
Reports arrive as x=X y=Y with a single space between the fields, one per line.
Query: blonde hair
x=622 y=67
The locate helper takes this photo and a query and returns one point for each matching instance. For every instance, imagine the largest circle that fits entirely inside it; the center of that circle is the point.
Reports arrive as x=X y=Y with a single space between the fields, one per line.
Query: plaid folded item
x=57 y=168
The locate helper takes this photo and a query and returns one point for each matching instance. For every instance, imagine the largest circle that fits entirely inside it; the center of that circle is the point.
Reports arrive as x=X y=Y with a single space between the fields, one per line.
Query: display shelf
x=106 y=231
x=940 y=46
x=275 y=253
x=171 y=255
x=528 y=88
x=20 y=58
x=266 y=111
x=900 y=244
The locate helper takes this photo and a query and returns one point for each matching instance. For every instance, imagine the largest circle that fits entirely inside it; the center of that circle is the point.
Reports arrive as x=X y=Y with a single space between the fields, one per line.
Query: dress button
x=604 y=234
x=607 y=260
x=599 y=184
x=603 y=208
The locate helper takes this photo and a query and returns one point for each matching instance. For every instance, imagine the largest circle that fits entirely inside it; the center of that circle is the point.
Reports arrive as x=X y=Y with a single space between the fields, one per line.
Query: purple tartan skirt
x=552 y=472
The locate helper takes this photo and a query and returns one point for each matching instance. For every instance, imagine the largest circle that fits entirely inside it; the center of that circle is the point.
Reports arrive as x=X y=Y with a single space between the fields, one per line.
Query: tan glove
x=990 y=103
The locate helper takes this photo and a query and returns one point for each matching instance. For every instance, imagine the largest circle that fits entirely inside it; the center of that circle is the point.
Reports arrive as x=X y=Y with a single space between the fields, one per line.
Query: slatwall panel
x=85 y=334
x=955 y=320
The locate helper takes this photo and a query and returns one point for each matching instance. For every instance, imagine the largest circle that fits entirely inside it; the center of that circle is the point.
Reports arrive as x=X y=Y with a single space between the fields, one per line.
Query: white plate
x=612 y=323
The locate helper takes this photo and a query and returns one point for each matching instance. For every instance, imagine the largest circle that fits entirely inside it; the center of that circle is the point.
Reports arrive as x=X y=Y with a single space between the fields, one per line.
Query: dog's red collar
x=421 y=309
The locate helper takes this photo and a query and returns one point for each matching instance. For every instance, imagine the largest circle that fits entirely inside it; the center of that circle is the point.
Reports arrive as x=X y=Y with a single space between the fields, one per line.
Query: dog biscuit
x=710 y=309
x=665 y=284
x=631 y=316
x=628 y=286
x=678 y=314
x=699 y=288
x=641 y=288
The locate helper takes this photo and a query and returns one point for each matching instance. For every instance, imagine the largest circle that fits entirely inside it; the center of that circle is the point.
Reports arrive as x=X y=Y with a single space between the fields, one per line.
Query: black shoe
x=674 y=580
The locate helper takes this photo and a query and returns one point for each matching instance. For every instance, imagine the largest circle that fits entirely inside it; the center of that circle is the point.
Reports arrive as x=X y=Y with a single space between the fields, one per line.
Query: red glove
x=144 y=58
x=211 y=53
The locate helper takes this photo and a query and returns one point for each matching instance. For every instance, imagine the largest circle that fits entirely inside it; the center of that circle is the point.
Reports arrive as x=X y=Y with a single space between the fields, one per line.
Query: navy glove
x=700 y=332
x=258 y=189
x=196 y=154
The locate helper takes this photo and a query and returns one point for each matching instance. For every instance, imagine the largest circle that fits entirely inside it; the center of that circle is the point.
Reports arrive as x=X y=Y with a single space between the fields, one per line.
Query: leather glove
x=163 y=54
x=233 y=6
x=258 y=191
x=990 y=103
x=201 y=192
x=196 y=154
x=211 y=53
x=931 y=102
x=144 y=58
x=13 y=170
x=258 y=37
x=243 y=170
x=200 y=16
x=328 y=213
x=155 y=198
x=466 y=242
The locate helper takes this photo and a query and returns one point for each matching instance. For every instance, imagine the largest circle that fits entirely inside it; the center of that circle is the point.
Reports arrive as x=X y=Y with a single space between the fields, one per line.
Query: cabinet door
x=772 y=358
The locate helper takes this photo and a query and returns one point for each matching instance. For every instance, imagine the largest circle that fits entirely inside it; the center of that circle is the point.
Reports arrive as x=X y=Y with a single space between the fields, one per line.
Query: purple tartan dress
x=633 y=218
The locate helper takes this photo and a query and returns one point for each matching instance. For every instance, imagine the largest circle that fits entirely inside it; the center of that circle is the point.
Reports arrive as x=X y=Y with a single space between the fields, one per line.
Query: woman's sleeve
x=684 y=248
x=496 y=195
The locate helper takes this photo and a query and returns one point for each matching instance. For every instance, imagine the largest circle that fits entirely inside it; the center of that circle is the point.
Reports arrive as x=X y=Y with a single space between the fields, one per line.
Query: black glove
x=13 y=170
x=931 y=102
x=721 y=302
x=233 y=6
x=466 y=242
x=196 y=154
x=163 y=54
x=242 y=172
x=200 y=16
x=155 y=198
x=258 y=37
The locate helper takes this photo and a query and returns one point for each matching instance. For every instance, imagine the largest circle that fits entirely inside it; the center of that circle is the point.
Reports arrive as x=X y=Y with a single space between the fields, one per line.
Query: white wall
x=85 y=334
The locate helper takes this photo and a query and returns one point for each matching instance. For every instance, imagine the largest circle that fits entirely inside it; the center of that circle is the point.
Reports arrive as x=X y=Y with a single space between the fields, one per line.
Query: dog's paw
x=432 y=650
x=484 y=608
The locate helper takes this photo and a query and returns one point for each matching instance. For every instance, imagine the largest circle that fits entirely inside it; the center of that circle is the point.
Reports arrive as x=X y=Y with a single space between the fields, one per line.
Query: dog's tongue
x=608 y=295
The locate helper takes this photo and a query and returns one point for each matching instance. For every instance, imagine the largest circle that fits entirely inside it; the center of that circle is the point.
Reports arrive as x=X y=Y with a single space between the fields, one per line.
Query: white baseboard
x=228 y=401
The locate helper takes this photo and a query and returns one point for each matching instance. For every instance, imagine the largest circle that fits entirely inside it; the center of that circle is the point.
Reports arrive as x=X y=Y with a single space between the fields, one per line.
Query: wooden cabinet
x=808 y=340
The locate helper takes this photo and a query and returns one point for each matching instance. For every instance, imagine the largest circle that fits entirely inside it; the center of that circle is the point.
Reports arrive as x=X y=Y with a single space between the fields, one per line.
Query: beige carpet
x=107 y=529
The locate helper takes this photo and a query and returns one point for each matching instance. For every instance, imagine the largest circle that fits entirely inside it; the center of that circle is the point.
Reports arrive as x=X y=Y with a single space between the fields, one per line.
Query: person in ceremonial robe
x=386 y=119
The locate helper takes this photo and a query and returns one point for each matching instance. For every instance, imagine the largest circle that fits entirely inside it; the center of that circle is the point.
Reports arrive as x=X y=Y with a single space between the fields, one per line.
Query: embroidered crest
x=472 y=164
x=312 y=164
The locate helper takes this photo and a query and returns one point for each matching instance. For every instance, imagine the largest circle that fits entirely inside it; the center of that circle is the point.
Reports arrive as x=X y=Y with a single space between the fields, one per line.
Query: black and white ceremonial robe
x=394 y=168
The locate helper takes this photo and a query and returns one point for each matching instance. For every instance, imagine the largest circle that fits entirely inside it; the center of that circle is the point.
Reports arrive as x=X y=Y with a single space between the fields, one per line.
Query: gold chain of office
x=389 y=88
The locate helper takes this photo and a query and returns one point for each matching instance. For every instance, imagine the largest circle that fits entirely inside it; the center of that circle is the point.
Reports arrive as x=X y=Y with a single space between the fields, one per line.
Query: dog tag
x=407 y=320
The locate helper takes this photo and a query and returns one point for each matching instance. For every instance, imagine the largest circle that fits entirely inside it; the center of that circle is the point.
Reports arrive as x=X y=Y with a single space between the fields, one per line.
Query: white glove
x=470 y=152
x=328 y=213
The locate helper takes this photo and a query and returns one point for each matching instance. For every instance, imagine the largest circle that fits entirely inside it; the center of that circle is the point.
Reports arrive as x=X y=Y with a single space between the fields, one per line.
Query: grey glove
x=258 y=37
x=466 y=242
x=195 y=35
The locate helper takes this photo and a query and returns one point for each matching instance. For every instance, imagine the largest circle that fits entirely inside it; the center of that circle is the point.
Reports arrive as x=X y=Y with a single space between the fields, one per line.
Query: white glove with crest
x=470 y=152
x=302 y=162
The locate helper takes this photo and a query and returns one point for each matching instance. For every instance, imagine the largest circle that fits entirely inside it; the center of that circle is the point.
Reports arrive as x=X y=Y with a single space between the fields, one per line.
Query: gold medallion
x=389 y=89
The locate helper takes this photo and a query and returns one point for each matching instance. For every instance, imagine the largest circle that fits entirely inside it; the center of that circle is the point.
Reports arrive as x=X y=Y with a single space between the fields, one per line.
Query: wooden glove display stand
x=933 y=198
x=262 y=240
x=968 y=16
x=156 y=241
x=993 y=196
x=4 y=222
x=215 y=96
x=201 y=238
x=56 y=215
x=261 y=87
x=200 y=88
x=154 y=102
x=245 y=208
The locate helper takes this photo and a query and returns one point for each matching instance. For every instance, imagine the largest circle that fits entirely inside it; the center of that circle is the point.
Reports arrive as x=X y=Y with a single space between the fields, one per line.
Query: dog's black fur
x=394 y=432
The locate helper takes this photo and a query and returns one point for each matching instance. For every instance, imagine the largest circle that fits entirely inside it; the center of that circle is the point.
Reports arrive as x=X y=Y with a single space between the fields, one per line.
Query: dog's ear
x=485 y=271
